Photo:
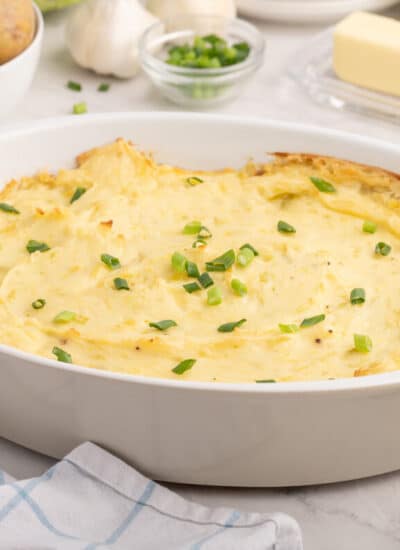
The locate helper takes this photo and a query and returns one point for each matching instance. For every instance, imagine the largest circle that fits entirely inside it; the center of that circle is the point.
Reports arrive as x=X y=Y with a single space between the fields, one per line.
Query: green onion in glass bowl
x=200 y=61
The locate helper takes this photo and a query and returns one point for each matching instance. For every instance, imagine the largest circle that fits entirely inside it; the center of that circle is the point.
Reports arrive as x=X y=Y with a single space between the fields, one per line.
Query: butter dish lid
x=312 y=69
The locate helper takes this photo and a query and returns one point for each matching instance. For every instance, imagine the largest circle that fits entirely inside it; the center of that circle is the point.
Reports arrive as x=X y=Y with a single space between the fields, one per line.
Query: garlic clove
x=165 y=9
x=102 y=35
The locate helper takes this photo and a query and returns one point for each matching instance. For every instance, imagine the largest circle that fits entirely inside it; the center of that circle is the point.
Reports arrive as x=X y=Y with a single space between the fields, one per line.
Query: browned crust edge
x=311 y=158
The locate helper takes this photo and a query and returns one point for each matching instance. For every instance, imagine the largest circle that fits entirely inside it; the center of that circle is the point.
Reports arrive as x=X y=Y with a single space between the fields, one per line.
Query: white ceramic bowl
x=223 y=434
x=16 y=75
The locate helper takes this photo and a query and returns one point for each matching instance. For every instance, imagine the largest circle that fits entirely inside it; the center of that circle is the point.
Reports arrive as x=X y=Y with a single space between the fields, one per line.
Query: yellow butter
x=367 y=52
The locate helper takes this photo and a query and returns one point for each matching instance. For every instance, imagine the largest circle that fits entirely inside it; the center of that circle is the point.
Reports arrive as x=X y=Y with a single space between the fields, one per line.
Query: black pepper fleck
x=318 y=340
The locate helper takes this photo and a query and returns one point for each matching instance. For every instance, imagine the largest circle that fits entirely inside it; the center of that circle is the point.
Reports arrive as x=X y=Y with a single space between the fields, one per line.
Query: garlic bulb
x=102 y=35
x=166 y=8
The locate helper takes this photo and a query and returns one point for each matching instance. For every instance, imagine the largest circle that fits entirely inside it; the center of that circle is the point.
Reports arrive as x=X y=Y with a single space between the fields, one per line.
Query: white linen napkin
x=92 y=500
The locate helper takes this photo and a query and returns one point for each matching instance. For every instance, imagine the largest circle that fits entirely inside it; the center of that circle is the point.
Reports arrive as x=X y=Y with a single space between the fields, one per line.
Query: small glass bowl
x=194 y=87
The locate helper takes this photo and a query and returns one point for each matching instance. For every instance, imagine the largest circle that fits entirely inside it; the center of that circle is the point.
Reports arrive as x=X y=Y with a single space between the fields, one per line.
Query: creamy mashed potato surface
x=135 y=211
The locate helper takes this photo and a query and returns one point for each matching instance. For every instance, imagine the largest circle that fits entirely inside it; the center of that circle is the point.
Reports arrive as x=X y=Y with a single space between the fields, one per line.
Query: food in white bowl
x=277 y=272
x=16 y=72
x=245 y=434
x=17 y=27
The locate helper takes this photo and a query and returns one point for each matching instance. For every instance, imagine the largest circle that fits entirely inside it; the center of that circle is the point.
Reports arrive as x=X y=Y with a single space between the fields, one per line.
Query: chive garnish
x=323 y=185
x=199 y=243
x=362 y=343
x=103 y=87
x=230 y=327
x=121 y=284
x=36 y=246
x=192 y=270
x=65 y=317
x=204 y=233
x=183 y=366
x=194 y=180
x=369 y=227
x=247 y=245
x=284 y=227
x=268 y=381
x=39 y=304
x=311 y=321
x=74 y=86
x=222 y=263
x=245 y=257
x=289 y=329
x=205 y=280
x=191 y=287
x=79 y=108
x=214 y=296
x=8 y=208
x=239 y=288
x=192 y=228
x=79 y=191
x=62 y=355
x=357 y=296
x=163 y=325
x=110 y=261
x=383 y=249
x=178 y=262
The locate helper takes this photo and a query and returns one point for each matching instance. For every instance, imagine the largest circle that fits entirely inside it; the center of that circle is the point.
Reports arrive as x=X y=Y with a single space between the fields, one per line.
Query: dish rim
x=39 y=31
x=365 y=383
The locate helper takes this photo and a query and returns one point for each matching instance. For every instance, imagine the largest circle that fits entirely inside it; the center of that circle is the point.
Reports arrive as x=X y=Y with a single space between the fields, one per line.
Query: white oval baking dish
x=188 y=432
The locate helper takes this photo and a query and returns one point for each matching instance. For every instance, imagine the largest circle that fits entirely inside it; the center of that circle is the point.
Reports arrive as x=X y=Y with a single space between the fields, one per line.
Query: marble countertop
x=358 y=515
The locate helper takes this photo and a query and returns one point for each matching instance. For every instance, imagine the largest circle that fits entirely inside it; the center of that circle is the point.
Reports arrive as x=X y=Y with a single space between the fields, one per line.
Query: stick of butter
x=367 y=52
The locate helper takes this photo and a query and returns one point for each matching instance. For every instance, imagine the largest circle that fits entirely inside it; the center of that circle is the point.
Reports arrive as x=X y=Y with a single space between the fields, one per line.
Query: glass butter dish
x=312 y=68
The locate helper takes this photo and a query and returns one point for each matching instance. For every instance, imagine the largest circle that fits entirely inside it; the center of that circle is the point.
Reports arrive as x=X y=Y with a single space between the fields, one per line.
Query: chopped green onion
x=247 y=245
x=103 y=87
x=36 y=246
x=311 y=321
x=357 y=296
x=204 y=233
x=214 y=296
x=163 y=325
x=238 y=287
x=284 y=227
x=230 y=327
x=222 y=263
x=110 y=261
x=8 y=208
x=183 y=366
x=192 y=270
x=199 y=243
x=62 y=355
x=192 y=228
x=191 y=287
x=205 y=280
x=65 y=317
x=362 y=343
x=288 y=329
x=121 y=284
x=74 y=86
x=369 y=227
x=245 y=257
x=39 y=304
x=194 y=180
x=323 y=185
x=178 y=262
x=79 y=108
x=268 y=381
x=383 y=249
x=79 y=191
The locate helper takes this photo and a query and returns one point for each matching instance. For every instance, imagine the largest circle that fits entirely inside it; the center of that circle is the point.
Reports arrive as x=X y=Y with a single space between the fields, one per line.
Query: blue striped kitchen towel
x=91 y=500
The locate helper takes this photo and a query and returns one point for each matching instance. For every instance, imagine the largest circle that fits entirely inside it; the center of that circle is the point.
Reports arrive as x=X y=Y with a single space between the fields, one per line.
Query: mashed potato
x=98 y=269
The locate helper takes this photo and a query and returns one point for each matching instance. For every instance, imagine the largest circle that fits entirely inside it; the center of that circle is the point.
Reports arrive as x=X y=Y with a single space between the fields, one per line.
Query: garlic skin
x=103 y=35
x=165 y=9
